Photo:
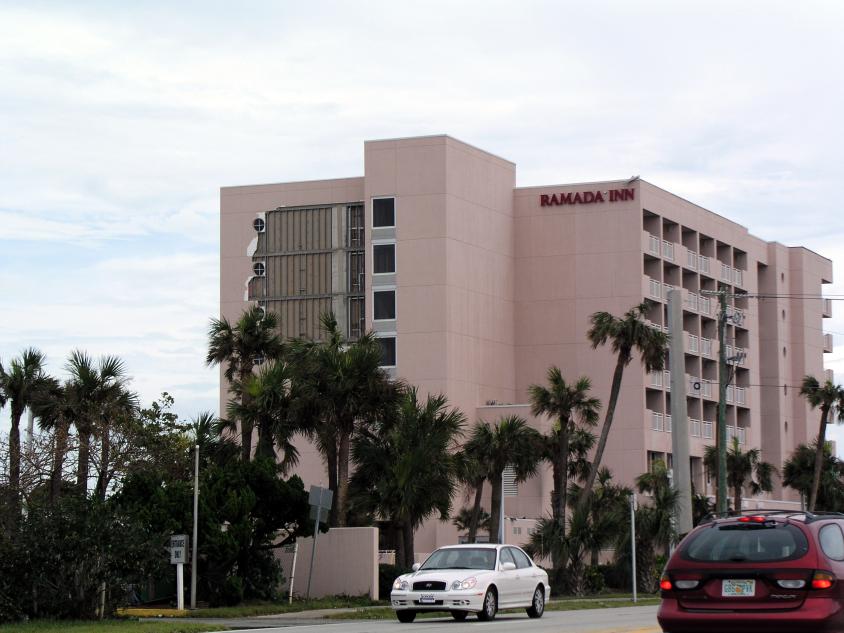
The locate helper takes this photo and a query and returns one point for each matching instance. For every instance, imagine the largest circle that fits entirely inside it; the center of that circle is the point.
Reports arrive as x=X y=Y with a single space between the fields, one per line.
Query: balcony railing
x=703 y=264
x=694 y=427
x=741 y=395
x=694 y=344
x=706 y=429
x=656 y=379
x=653 y=244
x=706 y=346
x=827 y=343
x=736 y=431
x=691 y=260
x=706 y=388
x=668 y=250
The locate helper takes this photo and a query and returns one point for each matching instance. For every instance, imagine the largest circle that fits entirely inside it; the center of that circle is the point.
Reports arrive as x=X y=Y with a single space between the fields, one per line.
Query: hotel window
x=384 y=258
x=388 y=351
x=384 y=305
x=383 y=212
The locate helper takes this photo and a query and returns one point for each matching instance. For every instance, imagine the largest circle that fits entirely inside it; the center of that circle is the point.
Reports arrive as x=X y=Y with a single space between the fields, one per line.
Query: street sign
x=178 y=549
x=321 y=497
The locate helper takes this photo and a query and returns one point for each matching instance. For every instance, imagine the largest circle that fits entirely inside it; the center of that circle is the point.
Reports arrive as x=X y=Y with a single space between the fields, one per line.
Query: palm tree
x=19 y=386
x=240 y=347
x=55 y=408
x=654 y=526
x=405 y=466
x=607 y=513
x=472 y=472
x=567 y=404
x=345 y=389
x=744 y=469
x=102 y=396
x=826 y=397
x=269 y=409
x=626 y=334
x=463 y=520
x=798 y=473
x=511 y=442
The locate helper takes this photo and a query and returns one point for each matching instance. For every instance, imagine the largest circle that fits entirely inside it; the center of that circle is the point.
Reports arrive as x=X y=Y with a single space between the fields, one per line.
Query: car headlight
x=469 y=583
x=400 y=585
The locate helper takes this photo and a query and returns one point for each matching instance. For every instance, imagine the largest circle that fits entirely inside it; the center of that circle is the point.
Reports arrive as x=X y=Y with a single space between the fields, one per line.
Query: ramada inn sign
x=586 y=197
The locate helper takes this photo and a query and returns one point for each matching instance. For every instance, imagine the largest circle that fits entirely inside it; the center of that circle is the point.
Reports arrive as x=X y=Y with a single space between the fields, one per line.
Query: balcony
x=827 y=308
x=651 y=244
x=703 y=264
x=706 y=429
x=691 y=260
x=692 y=343
x=706 y=347
x=827 y=343
x=694 y=427
x=668 y=250
x=652 y=288
x=736 y=431
x=657 y=421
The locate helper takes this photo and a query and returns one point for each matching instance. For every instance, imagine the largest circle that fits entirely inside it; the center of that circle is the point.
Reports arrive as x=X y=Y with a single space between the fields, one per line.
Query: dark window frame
x=384 y=355
x=375 y=261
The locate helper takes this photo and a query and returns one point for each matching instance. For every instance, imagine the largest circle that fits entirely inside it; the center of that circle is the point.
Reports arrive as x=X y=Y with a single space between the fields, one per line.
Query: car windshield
x=754 y=543
x=461 y=558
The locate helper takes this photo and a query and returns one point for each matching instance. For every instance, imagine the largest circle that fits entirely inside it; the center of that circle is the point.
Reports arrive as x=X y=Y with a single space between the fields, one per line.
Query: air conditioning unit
x=695 y=387
x=259 y=268
x=259 y=225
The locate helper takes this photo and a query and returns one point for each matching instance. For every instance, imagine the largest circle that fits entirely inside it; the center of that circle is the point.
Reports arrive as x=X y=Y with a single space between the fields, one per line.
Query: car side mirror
x=416 y=566
x=508 y=566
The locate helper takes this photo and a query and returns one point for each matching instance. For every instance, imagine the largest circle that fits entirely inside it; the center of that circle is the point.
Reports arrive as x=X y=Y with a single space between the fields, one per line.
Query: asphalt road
x=617 y=620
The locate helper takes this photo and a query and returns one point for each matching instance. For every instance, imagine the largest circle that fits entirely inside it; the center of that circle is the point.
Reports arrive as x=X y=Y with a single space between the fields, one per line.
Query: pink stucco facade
x=494 y=283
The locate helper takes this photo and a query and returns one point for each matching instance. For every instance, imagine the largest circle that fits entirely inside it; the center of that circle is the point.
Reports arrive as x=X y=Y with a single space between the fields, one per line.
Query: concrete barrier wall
x=346 y=563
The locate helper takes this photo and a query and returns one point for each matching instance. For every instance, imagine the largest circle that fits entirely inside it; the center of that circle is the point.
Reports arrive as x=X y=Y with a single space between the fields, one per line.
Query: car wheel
x=537 y=606
x=459 y=615
x=406 y=616
x=490 y=607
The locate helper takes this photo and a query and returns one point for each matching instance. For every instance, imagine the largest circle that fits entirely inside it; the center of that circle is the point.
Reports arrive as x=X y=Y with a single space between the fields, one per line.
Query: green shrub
x=594 y=579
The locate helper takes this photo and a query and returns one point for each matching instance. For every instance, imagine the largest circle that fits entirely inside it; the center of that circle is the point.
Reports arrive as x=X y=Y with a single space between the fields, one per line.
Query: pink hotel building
x=476 y=286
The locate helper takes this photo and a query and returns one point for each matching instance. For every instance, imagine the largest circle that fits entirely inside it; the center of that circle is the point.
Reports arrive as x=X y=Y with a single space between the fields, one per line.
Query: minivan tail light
x=822 y=580
x=665 y=584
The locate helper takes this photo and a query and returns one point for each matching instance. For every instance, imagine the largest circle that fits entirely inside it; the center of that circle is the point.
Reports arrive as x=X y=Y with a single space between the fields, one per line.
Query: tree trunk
x=266 y=444
x=605 y=431
x=476 y=512
x=495 y=510
x=398 y=541
x=15 y=466
x=564 y=475
x=737 y=499
x=105 y=457
x=82 y=463
x=819 y=455
x=331 y=466
x=59 y=451
x=245 y=427
x=342 y=477
x=407 y=537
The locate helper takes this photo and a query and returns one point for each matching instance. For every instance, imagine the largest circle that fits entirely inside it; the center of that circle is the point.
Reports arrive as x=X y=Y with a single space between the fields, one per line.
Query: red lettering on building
x=586 y=197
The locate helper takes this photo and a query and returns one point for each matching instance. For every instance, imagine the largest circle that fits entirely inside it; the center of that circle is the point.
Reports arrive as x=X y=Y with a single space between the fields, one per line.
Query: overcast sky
x=119 y=122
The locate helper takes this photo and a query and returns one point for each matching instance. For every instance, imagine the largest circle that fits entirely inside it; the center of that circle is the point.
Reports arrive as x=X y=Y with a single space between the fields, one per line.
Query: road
x=617 y=620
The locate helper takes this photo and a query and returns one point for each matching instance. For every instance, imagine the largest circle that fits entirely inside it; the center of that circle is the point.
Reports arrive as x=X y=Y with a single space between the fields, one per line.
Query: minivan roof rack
x=809 y=516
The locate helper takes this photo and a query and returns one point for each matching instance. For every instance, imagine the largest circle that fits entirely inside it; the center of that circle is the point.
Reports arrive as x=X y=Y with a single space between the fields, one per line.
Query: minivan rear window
x=733 y=543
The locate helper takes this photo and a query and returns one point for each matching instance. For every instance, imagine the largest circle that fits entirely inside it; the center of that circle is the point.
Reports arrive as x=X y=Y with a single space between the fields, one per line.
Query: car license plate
x=426 y=598
x=738 y=588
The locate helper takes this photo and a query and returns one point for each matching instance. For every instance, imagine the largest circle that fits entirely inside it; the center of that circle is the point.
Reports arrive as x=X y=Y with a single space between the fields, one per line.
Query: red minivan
x=771 y=572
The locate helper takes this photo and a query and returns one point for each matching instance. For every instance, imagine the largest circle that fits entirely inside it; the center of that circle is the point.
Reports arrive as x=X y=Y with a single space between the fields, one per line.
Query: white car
x=475 y=578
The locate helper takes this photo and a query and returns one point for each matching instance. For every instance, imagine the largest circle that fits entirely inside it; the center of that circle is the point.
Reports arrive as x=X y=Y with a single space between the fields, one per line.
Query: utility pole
x=723 y=379
x=194 y=561
x=679 y=415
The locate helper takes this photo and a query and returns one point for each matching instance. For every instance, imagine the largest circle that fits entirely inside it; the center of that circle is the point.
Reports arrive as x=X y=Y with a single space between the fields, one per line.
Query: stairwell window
x=383 y=258
x=384 y=304
x=388 y=351
x=383 y=213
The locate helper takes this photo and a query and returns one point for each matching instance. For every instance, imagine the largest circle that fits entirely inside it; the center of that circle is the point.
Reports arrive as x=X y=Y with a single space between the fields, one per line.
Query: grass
x=107 y=626
x=255 y=608
x=566 y=604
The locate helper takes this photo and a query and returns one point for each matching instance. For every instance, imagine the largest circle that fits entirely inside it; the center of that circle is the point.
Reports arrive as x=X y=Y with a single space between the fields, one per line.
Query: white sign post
x=178 y=557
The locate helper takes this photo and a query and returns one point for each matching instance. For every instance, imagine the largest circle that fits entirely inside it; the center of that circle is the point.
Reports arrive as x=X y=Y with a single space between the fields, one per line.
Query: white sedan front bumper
x=449 y=600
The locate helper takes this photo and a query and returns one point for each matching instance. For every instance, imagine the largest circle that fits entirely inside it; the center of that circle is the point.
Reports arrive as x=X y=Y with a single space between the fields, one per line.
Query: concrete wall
x=346 y=564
